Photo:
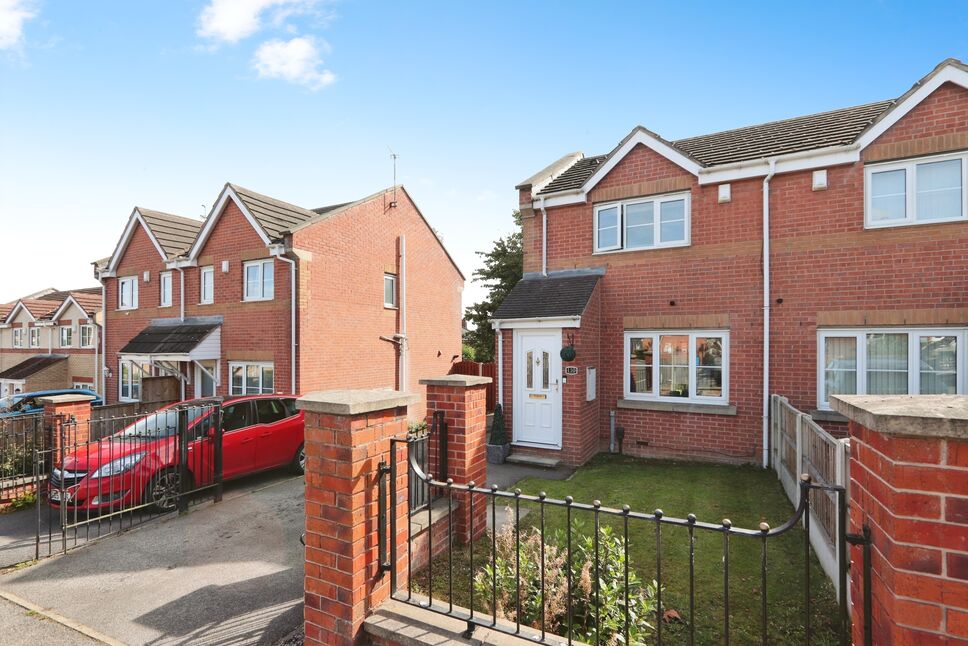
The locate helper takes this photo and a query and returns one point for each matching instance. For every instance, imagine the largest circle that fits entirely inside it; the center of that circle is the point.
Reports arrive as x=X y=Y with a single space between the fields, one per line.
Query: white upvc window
x=129 y=383
x=890 y=361
x=34 y=337
x=207 y=285
x=259 y=280
x=643 y=223
x=18 y=337
x=128 y=293
x=164 y=289
x=916 y=191
x=66 y=336
x=389 y=290
x=87 y=336
x=251 y=378
x=677 y=366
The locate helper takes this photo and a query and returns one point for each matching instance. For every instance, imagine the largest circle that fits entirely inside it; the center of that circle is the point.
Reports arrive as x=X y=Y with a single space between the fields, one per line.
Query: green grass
x=746 y=495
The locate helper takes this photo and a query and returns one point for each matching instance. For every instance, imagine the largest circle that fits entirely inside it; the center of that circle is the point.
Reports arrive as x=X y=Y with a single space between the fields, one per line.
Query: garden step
x=533 y=460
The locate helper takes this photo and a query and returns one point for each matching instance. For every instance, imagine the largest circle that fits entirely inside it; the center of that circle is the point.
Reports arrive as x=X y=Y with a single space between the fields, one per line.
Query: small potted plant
x=498 y=446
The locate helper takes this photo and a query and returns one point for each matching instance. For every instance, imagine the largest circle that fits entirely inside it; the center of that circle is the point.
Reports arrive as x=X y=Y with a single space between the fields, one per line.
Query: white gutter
x=766 y=313
x=278 y=251
x=544 y=238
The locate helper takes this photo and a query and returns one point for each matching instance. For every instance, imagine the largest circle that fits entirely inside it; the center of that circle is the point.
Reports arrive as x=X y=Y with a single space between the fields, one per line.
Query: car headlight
x=115 y=467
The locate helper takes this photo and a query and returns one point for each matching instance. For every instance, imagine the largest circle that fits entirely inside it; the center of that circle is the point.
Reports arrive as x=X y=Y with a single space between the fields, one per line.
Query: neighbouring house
x=50 y=339
x=265 y=296
x=807 y=257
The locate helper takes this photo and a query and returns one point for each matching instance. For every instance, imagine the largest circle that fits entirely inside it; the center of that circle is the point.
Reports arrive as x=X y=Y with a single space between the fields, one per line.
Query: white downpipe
x=500 y=363
x=292 y=321
x=181 y=294
x=766 y=313
x=403 y=341
x=544 y=238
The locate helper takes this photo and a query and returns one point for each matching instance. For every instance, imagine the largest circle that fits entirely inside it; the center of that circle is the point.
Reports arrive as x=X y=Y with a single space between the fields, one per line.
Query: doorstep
x=533 y=460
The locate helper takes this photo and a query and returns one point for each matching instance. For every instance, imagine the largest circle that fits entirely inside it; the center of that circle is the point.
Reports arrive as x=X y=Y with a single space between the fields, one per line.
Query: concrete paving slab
x=225 y=573
x=506 y=475
x=22 y=627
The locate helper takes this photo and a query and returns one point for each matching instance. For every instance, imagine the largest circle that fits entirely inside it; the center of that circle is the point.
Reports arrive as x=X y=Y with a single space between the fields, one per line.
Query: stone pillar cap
x=353 y=402
x=941 y=416
x=65 y=399
x=456 y=380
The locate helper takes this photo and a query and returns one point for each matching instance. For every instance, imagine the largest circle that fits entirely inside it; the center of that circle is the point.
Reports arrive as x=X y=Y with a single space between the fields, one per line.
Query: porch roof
x=548 y=296
x=31 y=366
x=170 y=339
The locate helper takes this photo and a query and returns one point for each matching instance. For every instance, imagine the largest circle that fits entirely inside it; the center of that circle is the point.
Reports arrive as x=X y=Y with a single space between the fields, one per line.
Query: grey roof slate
x=275 y=216
x=174 y=233
x=31 y=366
x=168 y=339
x=542 y=297
x=575 y=176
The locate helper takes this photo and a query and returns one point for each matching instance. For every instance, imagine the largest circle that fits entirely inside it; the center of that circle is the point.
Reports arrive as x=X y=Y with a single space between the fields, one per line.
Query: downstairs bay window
x=890 y=361
x=251 y=378
x=677 y=366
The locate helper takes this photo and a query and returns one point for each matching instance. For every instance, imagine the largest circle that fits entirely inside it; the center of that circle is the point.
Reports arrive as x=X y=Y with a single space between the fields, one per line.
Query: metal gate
x=640 y=525
x=94 y=478
x=20 y=436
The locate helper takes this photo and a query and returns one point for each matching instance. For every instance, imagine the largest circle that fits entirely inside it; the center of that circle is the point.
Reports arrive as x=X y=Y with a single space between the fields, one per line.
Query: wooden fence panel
x=480 y=370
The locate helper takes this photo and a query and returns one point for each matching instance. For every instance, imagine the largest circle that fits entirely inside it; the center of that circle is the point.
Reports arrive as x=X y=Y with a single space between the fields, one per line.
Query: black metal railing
x=491 y=497
x=20 y=436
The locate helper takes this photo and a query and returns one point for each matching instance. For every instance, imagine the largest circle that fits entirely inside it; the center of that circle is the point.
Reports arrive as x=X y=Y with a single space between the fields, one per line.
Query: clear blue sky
x=107 y=105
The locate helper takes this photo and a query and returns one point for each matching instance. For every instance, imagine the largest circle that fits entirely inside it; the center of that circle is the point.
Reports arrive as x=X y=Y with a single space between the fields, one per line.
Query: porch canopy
x=175 y=341
x=558 y=297
x=30 y=367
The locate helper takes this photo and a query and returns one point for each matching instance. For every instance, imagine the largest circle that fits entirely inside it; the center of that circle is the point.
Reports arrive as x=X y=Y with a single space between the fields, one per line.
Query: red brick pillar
x=909 y=484
x=463 y=400
x=347 y=437
x=67 y=417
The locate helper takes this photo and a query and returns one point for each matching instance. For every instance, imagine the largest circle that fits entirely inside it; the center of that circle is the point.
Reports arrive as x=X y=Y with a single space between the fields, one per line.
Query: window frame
x=69 y=330
x=244 y=365
x=17 y=337
x=163 y=278
x=909 y=166
x=208 y=270
x=80 y=336
x=246 y=297
x=654 y=396
x=656 y=201
x=914 y=335
x=30 y=337
x=145 y=369
x=396 y=294
x=133 y=282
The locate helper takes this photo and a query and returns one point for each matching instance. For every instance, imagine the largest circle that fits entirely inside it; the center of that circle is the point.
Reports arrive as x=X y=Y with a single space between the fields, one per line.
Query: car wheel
x=163 y=490
x=299 y=461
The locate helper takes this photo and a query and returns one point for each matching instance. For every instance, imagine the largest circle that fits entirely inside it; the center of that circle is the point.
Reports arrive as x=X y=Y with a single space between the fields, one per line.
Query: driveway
x=225 y=573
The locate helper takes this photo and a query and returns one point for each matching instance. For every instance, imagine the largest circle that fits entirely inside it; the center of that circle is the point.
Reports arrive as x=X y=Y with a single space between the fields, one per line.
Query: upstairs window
x=35 y=337
x=128 y=293
x=164 y=289
x=87 y=336
x=643 y=223
x=389 y=290
x=917 y=191
x=207 y=285
x=66 y=337
x=259 y=280
x=18 y=337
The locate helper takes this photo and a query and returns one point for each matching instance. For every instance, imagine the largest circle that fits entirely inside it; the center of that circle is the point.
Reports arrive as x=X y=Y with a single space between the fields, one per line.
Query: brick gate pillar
x=70 y=414
x=909 y=484
x=347 y=437
x=463 y=400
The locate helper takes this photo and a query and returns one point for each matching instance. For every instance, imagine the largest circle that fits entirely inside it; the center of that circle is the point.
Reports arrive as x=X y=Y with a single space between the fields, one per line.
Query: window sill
x=677 y=407
x=126 y=309
x=390 y=307
x=207 y=303
x=256 y=300
x=678 y=245
x=819 y=415
x=872 y=226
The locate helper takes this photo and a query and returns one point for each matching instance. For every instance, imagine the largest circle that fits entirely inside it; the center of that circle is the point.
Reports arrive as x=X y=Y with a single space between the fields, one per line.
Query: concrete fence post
x=347 y=438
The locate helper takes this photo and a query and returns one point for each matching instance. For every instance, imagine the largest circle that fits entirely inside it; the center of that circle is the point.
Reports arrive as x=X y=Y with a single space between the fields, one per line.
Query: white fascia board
x=820 y=158
x=228 y=193
x=180 y=263
x=134 y=219
x=649 y=141
x=67 y=302
x=153 y=358
x=541 y=322
x=948 y=74
x=19 y=306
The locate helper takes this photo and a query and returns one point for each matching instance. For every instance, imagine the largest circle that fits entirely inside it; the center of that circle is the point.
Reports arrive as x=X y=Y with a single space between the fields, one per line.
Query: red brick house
x=806 y=257
x=267 y=296
x=50 y=339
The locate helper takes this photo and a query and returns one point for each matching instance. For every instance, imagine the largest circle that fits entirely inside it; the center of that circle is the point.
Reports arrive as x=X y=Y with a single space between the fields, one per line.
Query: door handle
x=246 y=440
x=265 y=434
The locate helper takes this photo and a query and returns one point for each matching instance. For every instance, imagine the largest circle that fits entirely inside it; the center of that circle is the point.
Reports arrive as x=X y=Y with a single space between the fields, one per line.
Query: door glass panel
x=640 y=365
x=205 y=382
x=840 y=366
x=939 y=190
x=888 y=196
x=545 y=371
x=530 y=358
x=709 y=366
x=939 y=365
x=887 y=364
x=674 y=366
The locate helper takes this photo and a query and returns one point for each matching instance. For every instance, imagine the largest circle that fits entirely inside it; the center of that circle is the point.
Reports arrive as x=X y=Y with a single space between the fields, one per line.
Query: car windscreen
x=164 y=423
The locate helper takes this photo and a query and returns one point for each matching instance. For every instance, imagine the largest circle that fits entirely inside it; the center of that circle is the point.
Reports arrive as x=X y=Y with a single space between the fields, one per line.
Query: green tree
x=503 y=268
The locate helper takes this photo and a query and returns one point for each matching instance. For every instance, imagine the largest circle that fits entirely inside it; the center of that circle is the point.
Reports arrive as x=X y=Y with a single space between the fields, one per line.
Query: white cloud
x=296 y=60
x=13 y=15
x=232 y=20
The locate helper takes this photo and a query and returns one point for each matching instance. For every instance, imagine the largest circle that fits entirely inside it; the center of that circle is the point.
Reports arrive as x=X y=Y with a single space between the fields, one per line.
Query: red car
x=139 y=465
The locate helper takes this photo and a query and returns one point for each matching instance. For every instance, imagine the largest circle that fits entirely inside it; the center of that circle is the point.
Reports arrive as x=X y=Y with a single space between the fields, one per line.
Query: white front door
x=204 y=382
x=537 y=387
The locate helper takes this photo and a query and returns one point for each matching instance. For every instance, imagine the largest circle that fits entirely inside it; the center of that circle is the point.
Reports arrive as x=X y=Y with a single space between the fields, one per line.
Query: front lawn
x=746 y=495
